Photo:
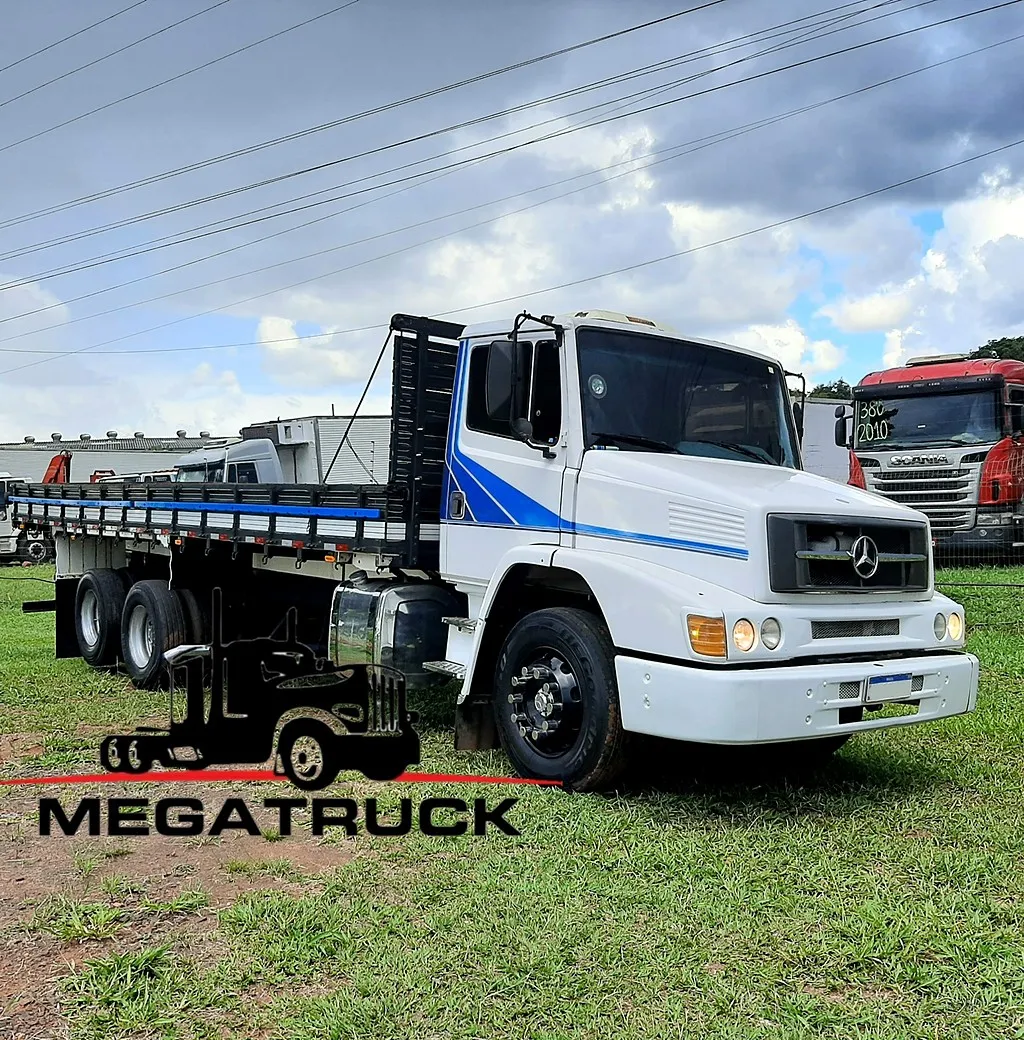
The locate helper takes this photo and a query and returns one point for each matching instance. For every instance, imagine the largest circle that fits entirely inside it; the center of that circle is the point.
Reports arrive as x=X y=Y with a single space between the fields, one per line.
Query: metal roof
x=175 y=445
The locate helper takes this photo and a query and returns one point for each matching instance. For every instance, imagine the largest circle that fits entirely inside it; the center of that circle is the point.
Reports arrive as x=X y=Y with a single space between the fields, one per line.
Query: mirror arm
x=526 y=438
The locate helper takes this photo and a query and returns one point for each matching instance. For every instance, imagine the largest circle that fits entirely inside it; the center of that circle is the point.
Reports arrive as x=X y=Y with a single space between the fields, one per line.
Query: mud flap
x=474 y=727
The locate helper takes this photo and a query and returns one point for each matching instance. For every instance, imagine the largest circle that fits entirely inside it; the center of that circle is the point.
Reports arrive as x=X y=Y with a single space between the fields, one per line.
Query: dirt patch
x=16 y=746
x=145 y=877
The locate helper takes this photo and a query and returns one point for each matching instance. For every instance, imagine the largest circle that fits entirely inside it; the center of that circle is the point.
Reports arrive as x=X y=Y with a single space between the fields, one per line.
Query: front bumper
x=798 y=702
x=980 y=539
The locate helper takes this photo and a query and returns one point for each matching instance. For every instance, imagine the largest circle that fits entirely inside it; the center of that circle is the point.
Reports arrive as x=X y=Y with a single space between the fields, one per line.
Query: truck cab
x=943 y=435
x=245 y=462
x=602 y=463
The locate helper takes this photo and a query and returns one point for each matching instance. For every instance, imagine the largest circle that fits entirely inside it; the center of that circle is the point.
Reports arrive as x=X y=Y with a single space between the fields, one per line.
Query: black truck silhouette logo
x=275 y=697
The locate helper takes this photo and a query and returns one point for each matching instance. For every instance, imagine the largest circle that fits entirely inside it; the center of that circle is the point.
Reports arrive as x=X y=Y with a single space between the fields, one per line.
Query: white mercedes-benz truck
x=596 y=526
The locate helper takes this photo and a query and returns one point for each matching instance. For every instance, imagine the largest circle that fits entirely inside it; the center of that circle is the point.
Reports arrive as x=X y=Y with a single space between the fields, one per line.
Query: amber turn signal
x=707 y=635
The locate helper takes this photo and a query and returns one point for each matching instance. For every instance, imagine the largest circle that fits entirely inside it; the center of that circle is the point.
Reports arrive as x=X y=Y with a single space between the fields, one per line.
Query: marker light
x=771 y=633
x=939 y=626
x=744 y=635
x=707 y=635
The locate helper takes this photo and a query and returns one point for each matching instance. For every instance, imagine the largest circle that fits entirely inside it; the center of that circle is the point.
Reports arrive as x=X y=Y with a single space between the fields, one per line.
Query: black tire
x=111 y=755
x=300 y=741
x=152 y=622
x=588 y=748
x=196 y=624
x=99 y=601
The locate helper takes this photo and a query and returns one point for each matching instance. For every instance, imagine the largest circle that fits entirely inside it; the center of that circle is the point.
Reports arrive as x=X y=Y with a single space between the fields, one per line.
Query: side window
x=246 y=473
x=476 y=403
x=232 y=477
x=538 y=365
x=1015 y=408
x=546 y=394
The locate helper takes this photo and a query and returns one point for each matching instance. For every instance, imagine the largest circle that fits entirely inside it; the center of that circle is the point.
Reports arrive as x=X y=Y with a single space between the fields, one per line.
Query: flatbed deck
x=324 y=518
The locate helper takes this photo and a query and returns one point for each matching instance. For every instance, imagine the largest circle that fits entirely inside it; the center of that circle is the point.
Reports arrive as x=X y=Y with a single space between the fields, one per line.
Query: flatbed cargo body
x=313 y=518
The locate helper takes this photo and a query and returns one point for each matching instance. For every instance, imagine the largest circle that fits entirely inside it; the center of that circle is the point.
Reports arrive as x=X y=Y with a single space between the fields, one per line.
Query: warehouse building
x=29 y=458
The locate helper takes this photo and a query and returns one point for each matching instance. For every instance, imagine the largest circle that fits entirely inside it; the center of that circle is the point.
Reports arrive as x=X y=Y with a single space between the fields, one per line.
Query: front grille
x=849 y=691
x=947 y=496
x=817 y=554
x=854 y=629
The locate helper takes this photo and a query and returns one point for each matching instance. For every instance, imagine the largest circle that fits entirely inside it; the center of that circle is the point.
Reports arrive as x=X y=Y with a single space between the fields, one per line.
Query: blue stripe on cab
x=653 y=539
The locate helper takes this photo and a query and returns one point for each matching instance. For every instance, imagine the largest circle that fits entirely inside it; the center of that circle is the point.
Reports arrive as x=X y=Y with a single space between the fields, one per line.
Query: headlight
x=955 y=626
x=744 y=635
x=939 y=626
x=771 y=633
x=707 y=635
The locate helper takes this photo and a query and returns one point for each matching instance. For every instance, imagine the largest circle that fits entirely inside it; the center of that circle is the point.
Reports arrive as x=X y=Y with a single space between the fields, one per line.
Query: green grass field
x=883 y=897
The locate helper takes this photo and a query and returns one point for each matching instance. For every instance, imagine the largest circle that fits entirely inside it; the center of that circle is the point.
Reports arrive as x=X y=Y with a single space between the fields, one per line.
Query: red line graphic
x=254 y=776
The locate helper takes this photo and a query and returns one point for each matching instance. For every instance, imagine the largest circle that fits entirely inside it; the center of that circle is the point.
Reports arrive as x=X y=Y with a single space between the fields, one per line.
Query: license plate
x=888 y=688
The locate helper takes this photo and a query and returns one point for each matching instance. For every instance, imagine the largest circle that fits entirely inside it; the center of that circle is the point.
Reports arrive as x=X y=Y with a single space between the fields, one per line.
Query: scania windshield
x=927 y=420
x=652 y=393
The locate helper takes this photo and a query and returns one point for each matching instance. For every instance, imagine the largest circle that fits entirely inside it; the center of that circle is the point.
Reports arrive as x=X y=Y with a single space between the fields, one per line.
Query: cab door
x=501 y=492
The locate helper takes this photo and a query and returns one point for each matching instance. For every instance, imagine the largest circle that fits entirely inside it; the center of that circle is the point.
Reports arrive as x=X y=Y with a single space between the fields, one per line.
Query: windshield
x=649 y=393
x=927 y=420
x=201 y=474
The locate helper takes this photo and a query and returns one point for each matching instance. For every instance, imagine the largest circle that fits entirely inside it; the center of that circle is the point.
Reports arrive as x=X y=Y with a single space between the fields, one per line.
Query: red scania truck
x=943 y=434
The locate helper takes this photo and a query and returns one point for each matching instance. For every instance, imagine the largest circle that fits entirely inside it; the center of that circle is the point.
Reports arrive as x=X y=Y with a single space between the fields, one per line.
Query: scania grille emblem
x=864 y=554
x=919 y=460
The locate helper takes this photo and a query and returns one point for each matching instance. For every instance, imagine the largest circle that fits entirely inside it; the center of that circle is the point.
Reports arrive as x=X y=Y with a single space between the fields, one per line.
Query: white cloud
x=41 y=328
x=791 y=345
x=966 y=288
x=882 y=309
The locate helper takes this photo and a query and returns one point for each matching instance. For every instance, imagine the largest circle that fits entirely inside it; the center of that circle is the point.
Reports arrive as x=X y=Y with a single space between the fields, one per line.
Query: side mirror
x=523 y=429
x=798 y=416
x=841 y=437
x=498 y=381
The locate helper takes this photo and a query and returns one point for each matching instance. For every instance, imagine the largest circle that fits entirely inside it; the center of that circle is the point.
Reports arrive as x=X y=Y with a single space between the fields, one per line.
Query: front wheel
x=308 y=752
x=556 y=701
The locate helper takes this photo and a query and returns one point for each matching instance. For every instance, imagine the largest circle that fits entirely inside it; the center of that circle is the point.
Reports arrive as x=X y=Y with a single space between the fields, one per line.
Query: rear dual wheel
x=152 y=622
x=99 y=602
x=125 y=755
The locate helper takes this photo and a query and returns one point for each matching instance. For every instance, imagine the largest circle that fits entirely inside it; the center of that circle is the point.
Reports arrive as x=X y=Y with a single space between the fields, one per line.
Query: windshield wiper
x=740 y=449
x=643 y=442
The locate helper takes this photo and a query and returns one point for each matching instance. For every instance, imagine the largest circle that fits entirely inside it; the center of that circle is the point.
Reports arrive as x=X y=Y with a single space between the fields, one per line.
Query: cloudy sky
x=153 y=279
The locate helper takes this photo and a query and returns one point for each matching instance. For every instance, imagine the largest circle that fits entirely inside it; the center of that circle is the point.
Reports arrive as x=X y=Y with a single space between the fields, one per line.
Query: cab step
x=463 y=624
x=449 y=668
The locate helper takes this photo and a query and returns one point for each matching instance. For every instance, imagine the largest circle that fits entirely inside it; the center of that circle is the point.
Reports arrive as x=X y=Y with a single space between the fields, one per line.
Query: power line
x=641 y=264
x=80 y=32
x=162 y=325
x=180 y=75
x=204 y=230
x=177 y=238
x=390 y=106
x=562 y=133
x=110 y=54
x=678 y=150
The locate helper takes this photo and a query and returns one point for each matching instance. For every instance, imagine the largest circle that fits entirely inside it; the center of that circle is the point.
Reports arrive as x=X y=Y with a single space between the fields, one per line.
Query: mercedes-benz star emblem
x=864 y=555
